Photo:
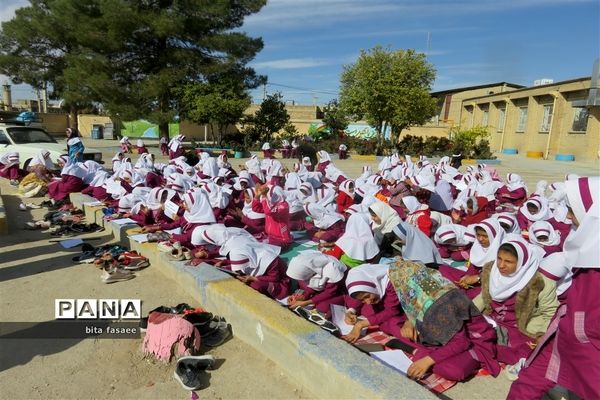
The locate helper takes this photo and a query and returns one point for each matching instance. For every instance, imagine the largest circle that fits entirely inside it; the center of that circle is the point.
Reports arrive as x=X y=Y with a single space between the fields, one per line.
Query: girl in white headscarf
x=71 y=181
x=453 y=241
x=417 y=214
x=416 y=246
x=141 y=147
x=362 y=179
x=535 y=209
x=372 y=296
x=514 y=192
x=357 y=245
x=324 y=160
x=517 y=297
x=384 y=219
x=543 y=234
x=326 y=226
x=125 y=145
x=345 y=196
x=259 y=266
x=321 y=277
x=488 y=237
x=40 y=168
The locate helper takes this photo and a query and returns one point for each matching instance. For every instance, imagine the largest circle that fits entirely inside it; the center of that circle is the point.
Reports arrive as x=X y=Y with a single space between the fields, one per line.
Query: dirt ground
x=33 y=272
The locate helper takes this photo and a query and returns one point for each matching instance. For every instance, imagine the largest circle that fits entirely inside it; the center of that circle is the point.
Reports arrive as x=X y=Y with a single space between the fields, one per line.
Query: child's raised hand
x=350 y=318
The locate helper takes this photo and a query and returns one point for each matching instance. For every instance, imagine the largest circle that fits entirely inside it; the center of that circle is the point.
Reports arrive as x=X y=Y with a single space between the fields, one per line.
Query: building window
x=546 y=118
x=485 y=117
x=501 y=119
x=522 y=119
x=580 y=119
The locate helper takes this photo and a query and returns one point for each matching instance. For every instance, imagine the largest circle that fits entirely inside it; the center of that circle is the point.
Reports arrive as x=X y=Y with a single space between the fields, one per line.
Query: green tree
x=388 y=89
x=471 y=142
x=220 y=101
x=131 y=55
x=335 y=118
x=270 y=118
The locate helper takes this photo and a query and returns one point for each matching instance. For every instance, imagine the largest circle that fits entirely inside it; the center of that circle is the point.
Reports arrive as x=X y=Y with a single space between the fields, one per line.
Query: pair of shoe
x=132 y=261
x=512 y=371
x=316 y=318
x=116 y=275
x=167 y=246
x=190 y=369
x=181 y=253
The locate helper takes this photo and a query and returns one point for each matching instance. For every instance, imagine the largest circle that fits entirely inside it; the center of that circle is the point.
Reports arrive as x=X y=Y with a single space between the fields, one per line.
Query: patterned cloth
x=433 y=382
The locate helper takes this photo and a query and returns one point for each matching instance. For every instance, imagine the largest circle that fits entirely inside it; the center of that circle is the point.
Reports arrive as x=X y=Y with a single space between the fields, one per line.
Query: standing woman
x=342 y=151
x=164 y=149
x=75 y=146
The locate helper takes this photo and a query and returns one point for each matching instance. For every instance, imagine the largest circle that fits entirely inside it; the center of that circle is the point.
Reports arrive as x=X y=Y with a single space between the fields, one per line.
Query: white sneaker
x=22 y=207
x=512 y=371
x=33 y=206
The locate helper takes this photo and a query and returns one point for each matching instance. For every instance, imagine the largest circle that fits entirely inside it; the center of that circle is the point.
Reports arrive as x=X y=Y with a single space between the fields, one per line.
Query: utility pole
x=264 y=91
x=428 y=42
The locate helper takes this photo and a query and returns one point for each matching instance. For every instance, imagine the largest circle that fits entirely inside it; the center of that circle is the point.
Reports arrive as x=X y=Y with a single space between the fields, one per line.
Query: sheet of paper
x=140 y=237
x=124 y=221
x=93 y=203
x=337 y=317
x=463 y=268
x=171 y=209
x=69 y=243
x=307 y=243
x=283 y=301
x=114 y=187
x=396 y=359
x=176 y=231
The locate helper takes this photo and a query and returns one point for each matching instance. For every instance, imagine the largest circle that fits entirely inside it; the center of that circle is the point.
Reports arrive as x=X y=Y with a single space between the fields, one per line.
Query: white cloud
x=292 y=63
x=8 y=7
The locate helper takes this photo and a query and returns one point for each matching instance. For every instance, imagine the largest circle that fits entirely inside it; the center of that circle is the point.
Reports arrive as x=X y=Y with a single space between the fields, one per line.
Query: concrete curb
x=326 y=366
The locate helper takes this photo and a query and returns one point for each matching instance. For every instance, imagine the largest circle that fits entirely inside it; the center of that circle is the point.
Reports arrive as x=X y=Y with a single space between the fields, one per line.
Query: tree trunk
x=163 y=129
x=73 y=113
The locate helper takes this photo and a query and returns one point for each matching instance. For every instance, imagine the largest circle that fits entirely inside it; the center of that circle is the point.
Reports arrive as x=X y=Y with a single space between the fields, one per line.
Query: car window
x=29 y=135
x=3 y=138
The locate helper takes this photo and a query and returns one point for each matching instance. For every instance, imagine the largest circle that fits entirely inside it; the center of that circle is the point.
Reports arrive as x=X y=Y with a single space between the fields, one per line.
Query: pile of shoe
x=116 y=262
x=214 y=330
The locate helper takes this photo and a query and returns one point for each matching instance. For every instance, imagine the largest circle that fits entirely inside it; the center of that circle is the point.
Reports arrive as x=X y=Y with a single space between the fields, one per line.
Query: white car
x=29 y=140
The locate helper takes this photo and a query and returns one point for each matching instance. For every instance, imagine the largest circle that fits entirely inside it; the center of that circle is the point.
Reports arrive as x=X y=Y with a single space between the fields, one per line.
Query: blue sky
x=471 y=42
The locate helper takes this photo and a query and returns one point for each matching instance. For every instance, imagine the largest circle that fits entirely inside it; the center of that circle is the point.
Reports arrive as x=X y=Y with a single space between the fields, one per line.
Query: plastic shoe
x=218 y=337
x=22 y=207
x=187 y=254
x=511 y=372
x=131 y=261
x=177 y=254
x=14 y=182
x=189 y=370
x=31 y=226
x=165 y=247
x=116 y=275
x=32 y=206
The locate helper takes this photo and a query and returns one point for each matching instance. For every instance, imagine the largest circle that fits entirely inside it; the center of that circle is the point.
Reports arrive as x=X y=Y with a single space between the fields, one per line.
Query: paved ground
x=33 y=272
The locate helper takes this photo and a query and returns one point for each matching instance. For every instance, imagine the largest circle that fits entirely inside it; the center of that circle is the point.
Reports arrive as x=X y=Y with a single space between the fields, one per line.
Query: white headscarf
x=74 y=169
x=388 y=216
x=42 y=158
x=543 y=213
x=358 y=242
x=557 y=267
x=540 y=188
x=480 y=256
x=417 y=246
x=9 y=159
x=514 y=182
x=369 y=278
x=582 y=245
x=249 y=256
x=345 y=187
x=508 y=219
x=528 y=260
x=198 y=206
x=247 y=210
x=99 y=178
x=543 y=228
x=140 y=143
x=322 y=218
x=411 y=203
x=292 y=181
x=217 y=234
x=266 y=146
x=323 y=156
x=210 y=167
x=453 y=231
x=316 y=269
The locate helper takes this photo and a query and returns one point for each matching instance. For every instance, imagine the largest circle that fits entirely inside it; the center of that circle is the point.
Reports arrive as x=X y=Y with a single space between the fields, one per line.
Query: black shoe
x=189 y=370
x=218 y=337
